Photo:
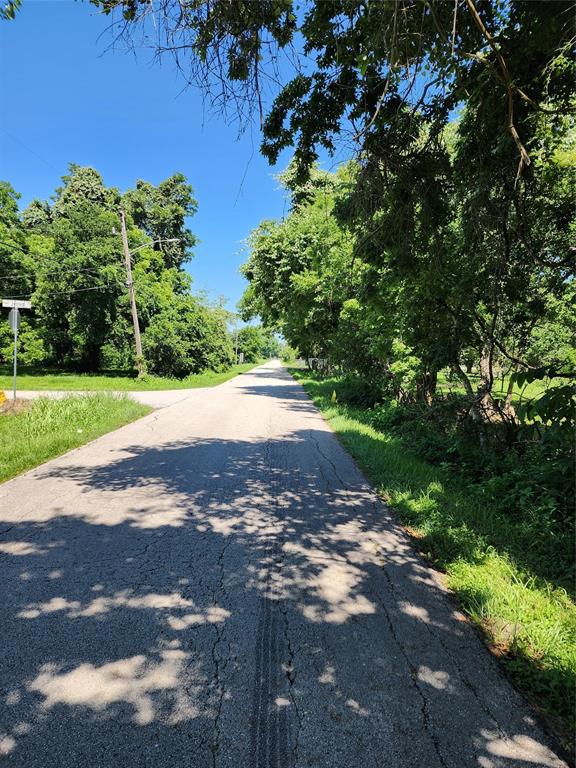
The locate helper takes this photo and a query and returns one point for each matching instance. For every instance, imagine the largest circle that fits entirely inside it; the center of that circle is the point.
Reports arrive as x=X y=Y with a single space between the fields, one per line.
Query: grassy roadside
x=43 y=379
x=528 y=620
x=500 y=388
x=47 y=428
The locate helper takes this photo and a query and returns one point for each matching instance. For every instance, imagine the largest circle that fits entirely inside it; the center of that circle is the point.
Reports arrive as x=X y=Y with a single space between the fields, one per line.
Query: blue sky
x=65 y=99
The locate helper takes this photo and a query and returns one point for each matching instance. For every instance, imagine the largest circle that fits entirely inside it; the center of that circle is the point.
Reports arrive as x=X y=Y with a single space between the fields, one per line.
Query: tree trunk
x=508 y=407
x=475 y=411
x=90 y=361
x=459 y=373
x=427 y=386
x=486 y=404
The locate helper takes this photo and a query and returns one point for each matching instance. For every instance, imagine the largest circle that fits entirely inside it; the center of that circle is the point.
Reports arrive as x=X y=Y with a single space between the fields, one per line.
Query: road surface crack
x=219 y=660
x=290 y=673
x=424 y=708
x=462 y=674
x=327 y=459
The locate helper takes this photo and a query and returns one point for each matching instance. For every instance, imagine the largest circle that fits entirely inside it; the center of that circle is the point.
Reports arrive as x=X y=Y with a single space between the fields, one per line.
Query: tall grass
x=497 y=568
x=47 y=428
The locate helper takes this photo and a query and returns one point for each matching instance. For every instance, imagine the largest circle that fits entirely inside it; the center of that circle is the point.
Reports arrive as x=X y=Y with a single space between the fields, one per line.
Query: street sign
x=16 y=304
x=14 y=319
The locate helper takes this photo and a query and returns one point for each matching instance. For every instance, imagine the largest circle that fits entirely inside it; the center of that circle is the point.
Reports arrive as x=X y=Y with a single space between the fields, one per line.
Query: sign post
x=15 y=305
x=14 y=320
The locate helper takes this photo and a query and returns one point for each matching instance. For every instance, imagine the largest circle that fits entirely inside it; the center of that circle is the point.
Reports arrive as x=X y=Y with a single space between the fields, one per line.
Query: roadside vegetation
x=48 y=379
x=32 y=433
x=510 y=565
x=448 y=384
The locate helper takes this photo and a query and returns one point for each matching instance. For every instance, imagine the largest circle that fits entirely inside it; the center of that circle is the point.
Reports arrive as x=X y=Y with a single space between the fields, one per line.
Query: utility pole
x=130 y=284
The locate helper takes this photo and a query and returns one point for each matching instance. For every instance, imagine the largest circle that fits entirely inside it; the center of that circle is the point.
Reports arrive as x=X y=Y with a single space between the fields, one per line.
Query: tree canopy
x=66 y=254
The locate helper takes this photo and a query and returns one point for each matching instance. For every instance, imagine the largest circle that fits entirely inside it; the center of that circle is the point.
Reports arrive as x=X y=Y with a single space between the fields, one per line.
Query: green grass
x=527 y=618
x=43 y=379
x=47 y=428
x=500 y=387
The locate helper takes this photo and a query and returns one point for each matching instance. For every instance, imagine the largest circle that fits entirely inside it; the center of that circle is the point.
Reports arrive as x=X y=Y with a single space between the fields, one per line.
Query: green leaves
x=188 y=336
x=556 y=406
x=9 y=9
x=68 y=256
x=256 y=343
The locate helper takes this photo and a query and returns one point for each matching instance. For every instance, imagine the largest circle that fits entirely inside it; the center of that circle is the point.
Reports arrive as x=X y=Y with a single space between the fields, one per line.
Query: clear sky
x=64 y=98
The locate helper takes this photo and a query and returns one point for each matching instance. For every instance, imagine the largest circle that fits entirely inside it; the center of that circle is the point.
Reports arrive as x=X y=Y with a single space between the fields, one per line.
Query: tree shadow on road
x=219 y=602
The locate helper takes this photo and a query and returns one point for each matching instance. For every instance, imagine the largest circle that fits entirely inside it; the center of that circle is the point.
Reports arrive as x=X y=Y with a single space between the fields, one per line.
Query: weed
x=48 y=428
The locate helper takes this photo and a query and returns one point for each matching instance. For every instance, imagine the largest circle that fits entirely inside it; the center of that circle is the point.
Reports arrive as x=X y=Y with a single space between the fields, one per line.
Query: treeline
x=416 y=307
x=66 y=256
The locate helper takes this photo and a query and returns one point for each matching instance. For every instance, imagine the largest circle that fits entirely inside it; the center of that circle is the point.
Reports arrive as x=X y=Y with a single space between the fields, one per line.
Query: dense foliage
x=67 y=256
x=392 y=331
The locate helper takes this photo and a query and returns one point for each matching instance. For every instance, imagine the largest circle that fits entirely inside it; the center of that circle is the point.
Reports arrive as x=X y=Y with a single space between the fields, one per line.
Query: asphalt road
x=216 y=585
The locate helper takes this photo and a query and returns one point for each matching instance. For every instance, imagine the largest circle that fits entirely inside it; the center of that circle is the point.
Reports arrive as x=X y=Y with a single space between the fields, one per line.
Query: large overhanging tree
x=368 y=69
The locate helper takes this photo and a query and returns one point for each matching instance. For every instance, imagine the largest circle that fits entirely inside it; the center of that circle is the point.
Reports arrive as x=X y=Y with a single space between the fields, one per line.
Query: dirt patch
x=12 y=407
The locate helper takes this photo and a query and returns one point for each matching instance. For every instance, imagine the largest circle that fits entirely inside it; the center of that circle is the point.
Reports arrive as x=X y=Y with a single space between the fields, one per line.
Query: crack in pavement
x=327 y=459
x=414 y=675
x=439 y=638
x=219 y=661
x=290 y=672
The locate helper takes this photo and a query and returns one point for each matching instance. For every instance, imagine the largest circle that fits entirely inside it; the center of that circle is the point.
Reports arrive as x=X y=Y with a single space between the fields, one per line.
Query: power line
x=66 y=293
x=28 y=149
x=17 y=275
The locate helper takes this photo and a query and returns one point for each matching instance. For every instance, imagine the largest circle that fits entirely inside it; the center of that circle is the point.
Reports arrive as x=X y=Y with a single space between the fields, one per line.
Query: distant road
x=217 y=586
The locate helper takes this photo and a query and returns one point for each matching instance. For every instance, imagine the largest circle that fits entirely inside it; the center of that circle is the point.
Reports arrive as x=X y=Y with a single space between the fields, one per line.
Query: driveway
x=217 y=585
x=154 y=398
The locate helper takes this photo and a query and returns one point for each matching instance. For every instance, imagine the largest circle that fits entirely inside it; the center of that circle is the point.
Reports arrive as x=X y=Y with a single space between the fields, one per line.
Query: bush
x=359 y=392
x=118 y=357
x=165 y=350
x=31 y=349
x=257 y=343
x=190 y=337
x=288 y=354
